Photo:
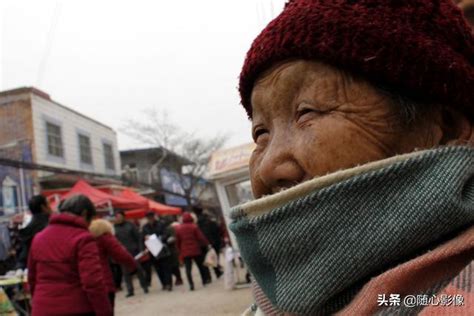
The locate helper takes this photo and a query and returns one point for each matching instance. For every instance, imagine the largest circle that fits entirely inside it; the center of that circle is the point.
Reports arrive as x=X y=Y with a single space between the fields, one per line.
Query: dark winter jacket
x=127 y=233
x=64 y=270
x=211 y=230
x=159 y=228
x=189 y=238
x=26 y=235
x=174 y=261
x=110 y=248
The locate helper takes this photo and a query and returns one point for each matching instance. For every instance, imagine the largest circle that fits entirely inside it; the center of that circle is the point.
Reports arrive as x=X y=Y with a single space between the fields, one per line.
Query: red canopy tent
x=100 y=198
x=136 y=214
x=158 y=208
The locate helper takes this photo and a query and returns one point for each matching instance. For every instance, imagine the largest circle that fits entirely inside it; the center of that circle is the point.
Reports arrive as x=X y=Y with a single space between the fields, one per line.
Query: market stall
x=135 y=205
x=158 y=208
x=99 y=198
x=14 y=295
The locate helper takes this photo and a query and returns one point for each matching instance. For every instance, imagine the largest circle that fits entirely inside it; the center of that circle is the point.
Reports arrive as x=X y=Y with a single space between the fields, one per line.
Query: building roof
x=151 y=150
x=46 y=96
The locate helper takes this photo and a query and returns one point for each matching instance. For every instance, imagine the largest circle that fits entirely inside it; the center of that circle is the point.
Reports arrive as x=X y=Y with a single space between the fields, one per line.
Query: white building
x=65 y=138
x=36 y=129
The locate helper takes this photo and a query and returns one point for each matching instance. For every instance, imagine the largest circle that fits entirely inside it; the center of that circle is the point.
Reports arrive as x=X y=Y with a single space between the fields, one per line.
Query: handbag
x=211 y=259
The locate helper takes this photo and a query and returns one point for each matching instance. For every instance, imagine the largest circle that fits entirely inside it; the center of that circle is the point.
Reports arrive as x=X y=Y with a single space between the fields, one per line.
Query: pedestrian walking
x=128 y=235
x=211 y=231
x=190 y=240
x=175 y=264
x=162 y=263
x=64 y=270
x=110 y=249
x=41 y=211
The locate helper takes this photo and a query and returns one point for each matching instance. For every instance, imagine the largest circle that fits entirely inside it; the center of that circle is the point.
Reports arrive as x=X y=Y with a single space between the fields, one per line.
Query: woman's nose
x=279 y=167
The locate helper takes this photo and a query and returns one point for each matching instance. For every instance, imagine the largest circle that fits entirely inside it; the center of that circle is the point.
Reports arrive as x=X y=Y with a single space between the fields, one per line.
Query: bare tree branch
x=156 y=129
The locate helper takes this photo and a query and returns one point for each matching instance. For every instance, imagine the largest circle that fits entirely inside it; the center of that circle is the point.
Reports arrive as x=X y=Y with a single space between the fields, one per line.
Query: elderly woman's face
x=310 y=119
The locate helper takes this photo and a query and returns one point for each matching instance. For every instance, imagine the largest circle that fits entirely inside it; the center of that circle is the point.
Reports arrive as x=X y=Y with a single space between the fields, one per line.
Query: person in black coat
x=211 y=230
x=171 y=241
x=128 y=235
x=163 y=262
x=40 y=210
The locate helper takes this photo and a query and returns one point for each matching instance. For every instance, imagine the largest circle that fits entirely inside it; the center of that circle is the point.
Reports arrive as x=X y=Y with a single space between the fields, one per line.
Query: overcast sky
x=112 y=59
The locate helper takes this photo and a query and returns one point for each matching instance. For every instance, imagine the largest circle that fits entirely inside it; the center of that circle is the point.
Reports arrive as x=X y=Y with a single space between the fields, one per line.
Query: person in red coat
x=64 y=270
x=110 y=248
x=190 y=240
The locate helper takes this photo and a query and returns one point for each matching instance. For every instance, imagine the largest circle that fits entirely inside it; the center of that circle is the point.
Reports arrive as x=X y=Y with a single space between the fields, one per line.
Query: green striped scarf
x=312 y=247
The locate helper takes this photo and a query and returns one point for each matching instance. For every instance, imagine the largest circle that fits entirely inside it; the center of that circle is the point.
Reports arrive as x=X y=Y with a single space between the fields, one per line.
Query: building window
x=109 y=157
x=85 y=149
x=55 y=142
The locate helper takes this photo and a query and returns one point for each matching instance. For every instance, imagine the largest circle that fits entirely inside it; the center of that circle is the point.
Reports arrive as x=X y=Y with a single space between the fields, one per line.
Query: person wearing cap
x=362 y=113
x=190 y=242
x=162 y=263
x=64 y=270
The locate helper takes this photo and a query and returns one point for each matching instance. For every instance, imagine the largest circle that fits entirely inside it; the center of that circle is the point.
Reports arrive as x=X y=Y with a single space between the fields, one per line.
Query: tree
x=157 y=130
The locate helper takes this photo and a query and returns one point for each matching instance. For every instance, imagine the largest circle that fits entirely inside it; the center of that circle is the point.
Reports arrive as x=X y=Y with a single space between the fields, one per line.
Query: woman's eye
x=309 y=113
x=258 y=133
x=305 y=113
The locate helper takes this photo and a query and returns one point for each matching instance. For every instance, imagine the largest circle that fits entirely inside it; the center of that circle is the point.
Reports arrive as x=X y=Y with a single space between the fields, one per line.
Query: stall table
x=17 y=286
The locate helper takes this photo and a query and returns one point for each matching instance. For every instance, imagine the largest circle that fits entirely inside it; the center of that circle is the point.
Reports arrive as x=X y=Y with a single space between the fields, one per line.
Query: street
x=210 y=300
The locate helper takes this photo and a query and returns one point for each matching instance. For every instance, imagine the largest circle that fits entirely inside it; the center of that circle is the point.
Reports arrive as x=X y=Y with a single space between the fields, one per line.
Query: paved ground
x=210 y=300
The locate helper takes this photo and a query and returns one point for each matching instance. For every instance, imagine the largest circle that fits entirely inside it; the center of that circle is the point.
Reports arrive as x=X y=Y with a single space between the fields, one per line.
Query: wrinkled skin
x=310 y=119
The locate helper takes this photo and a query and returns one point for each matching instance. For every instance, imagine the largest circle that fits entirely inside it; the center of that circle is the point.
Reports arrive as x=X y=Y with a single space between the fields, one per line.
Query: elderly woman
x=362 y=114
x=64 y=270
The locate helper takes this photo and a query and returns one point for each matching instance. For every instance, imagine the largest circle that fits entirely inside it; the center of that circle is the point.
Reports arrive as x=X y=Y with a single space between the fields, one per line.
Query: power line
x=34 y=166
x=49 y=43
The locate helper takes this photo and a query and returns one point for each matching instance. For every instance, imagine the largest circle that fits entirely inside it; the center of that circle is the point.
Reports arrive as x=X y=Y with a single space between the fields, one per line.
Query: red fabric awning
x=158 y=208
x=100 y=198
x=135 y=214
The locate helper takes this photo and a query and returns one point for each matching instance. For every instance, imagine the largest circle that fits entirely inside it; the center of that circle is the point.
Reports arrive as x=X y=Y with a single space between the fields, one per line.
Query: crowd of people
x=77 y=261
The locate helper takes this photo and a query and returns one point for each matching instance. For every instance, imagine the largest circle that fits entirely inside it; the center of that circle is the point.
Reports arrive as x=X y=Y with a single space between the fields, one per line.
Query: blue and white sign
x=171 y=181
x=9 y=196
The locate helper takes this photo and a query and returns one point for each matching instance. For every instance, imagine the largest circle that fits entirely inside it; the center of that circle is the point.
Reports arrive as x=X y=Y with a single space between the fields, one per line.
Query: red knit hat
x=422 y=48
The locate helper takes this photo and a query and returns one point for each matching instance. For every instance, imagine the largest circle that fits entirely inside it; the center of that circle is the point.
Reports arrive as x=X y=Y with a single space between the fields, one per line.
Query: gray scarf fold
x=312 y=247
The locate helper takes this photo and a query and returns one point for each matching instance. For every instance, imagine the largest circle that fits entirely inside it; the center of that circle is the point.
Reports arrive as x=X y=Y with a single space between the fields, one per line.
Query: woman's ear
x=457 y=128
